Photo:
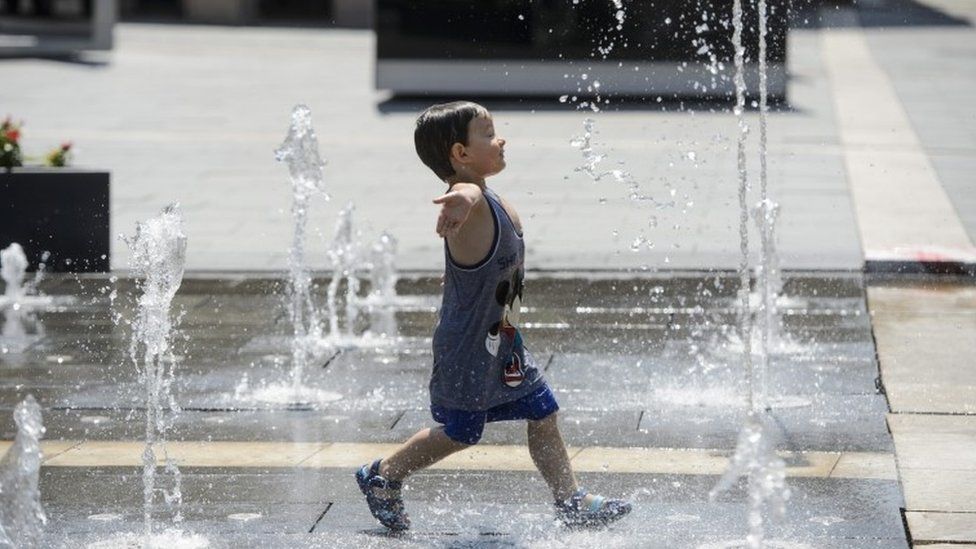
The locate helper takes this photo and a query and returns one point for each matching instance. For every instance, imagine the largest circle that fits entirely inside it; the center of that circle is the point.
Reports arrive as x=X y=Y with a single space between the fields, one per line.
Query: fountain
x=300 y=150
x=20 y=327
x=344 y=254
x=383 y=273
x=22 y=517
x=13 y=269
x=382 y=300
x=158 y=256
x=755 y=453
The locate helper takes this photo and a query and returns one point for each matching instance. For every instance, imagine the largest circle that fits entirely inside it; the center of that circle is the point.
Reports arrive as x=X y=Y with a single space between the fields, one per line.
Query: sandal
x=388 y=508
x=574 y=512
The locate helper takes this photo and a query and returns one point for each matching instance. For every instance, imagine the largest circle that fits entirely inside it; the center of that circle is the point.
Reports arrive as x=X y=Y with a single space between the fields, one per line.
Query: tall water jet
x=743 y=190
x=770 y=286
x=22 y=517
x=382 y=298
x=13 y=270
x=300 y=151
x=344 y=255
x=158 y=257
x=383 y=273
x=18 y=290
x=19 y=300
x=755 y=459
x=755 y=456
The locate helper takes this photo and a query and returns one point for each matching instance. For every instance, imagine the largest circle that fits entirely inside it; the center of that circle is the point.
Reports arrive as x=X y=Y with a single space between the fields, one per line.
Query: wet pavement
x=647 y=373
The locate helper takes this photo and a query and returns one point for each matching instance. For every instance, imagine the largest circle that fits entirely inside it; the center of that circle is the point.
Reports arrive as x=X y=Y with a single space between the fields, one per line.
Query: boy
x=482 y=372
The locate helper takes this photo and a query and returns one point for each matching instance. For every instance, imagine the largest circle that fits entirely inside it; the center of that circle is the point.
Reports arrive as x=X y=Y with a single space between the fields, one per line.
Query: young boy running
x=482 y=371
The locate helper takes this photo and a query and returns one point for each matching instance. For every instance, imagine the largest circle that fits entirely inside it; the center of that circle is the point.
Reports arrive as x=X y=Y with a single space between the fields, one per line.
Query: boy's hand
x=456 y=206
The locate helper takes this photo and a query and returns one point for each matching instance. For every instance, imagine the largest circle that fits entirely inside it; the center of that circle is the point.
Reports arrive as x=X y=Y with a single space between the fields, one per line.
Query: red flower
x=66 y=146
x=13 y=135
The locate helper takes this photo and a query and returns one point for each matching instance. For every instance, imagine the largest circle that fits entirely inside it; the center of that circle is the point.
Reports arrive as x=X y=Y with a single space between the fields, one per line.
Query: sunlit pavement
x=872 y=390
x=869 y=160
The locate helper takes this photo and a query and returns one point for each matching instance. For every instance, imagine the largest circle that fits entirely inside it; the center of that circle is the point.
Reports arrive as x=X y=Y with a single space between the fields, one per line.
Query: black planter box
x=58 y=210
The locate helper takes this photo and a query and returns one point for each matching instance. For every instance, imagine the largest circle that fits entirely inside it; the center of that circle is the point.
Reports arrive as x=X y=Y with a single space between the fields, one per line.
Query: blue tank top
x=480 y=360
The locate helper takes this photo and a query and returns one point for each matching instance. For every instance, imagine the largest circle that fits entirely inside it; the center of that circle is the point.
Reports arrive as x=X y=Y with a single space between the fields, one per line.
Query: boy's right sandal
x=575 y=512
x=382 y=497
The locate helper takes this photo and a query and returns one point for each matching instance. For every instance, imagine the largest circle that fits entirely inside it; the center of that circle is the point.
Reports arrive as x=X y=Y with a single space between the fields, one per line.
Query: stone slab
x=938 y=490
x=947 y=443
x=947 y=527
x=934 y=327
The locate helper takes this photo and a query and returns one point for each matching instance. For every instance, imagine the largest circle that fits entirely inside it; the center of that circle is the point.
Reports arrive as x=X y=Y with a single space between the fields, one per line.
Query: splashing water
x=13 y=269
x=158 y=255
x=590 y=89
x=770 y=286
x=383 y=272
x=590 y=167
x=591 y=159
x=21 y=327
x=171 y=538
x=18 y=291
x=22 y=517
x=300 y=150
x=382 y=299
x=770 y=282
x=739 y=109
x=344 y=254
x=591 y=163
x=755 y=458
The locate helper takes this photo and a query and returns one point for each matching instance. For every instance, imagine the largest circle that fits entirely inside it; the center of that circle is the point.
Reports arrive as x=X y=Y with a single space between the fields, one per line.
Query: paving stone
x=952 y=527
x=940 y=340
x=940 y=442
x=938 y=490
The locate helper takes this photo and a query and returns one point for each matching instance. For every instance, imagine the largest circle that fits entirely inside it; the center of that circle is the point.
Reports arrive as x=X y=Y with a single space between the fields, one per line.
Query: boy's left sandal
x=575 y=512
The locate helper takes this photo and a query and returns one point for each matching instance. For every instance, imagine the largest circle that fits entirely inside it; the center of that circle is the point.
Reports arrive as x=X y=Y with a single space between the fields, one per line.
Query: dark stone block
x=61 y=211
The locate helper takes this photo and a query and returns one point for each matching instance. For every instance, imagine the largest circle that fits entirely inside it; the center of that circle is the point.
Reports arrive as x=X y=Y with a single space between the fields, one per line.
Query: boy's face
x=485 y=153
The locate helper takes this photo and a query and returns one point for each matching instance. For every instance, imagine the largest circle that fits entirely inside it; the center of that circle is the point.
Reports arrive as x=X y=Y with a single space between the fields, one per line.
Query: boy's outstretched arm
x=466 y=223
x=456 y=207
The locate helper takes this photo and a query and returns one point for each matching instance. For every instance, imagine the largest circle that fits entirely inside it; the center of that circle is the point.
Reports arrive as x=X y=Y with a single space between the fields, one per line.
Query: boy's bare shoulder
x=471 y=244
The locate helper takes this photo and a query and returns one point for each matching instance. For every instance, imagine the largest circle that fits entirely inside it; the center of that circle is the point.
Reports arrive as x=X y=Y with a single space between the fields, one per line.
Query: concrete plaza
x=871 y=160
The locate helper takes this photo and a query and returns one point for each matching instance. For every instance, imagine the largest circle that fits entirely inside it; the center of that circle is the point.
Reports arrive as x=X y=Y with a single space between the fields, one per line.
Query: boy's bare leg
x=549 y=454
x=424 y=449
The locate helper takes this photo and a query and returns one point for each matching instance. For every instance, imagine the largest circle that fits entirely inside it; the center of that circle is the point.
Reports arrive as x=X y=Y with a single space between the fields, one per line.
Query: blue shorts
x=466 y=427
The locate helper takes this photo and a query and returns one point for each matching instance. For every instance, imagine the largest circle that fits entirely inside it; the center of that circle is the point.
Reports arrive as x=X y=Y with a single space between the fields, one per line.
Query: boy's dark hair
x=439 y=127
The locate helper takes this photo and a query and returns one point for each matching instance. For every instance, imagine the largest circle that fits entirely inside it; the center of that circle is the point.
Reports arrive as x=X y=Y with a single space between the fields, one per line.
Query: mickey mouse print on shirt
x=508 y=294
